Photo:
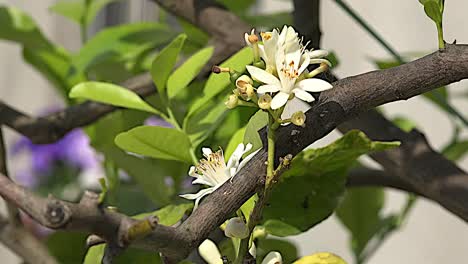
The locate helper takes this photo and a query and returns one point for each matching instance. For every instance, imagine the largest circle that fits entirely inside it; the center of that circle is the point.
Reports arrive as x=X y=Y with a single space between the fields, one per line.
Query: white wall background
x=432 y=235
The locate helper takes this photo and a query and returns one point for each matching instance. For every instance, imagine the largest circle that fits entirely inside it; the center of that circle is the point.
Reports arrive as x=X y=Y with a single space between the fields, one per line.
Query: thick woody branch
x=424 y=170
x=365 y=177
x=24 y=244
x=51 y=128
x=225 y=28
x=306 y=17
x=350 y=97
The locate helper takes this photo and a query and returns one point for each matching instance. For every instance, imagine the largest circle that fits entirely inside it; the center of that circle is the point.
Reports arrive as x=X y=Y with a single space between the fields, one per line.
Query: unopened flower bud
x=264 y=101
x=298 y=118
x=273 y=258
x=236 y=228
x=243 y=81
x=209 y=252
x=232 y=101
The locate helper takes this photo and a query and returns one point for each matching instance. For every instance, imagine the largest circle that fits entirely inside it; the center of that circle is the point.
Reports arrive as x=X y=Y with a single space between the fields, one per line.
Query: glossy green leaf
x=156 y=142
x=432 y=9
x=125 y=43
x=456 y=150
x=239 y=6
x=404 y=124
x=269 y=21
x=148 y=173
x=131 y=255
x=50 y=60
x=164 y=62
x=67 y=247
x=202 y=124
x=216 y=83
x=360 y=212
x=256 y=122
x=170 y=214
x=287 y=249
x=76 y=10
x=236 y=139
x=317 y=178
x=112 y=94
x=19 y=27
x=183 y=75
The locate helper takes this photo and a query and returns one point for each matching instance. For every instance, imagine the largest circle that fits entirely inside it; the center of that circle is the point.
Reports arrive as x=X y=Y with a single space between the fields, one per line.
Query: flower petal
x=207 y=152
x=279 y=100
x=315 y=54
x=210 y=252
x=303 y=95
x=246 y=38
x=268 y=88
x=235 y=157
x=313 y=85
x=202 y=180
x=197 y=196
x=318 y=61
x=262 y=75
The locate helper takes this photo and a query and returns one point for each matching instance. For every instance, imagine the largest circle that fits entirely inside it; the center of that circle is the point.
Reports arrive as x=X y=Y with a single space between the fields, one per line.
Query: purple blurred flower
x=157 y=121
x=73 y=150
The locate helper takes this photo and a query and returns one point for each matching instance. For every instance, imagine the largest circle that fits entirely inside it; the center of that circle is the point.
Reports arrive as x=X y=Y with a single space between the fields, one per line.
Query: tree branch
x=351 y=96
x=24 y=244
x=362 y=177
x=306 y=17
x=427 y=172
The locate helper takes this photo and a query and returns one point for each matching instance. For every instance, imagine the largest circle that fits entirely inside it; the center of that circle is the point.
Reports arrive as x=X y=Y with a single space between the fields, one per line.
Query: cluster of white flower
x=286 y=61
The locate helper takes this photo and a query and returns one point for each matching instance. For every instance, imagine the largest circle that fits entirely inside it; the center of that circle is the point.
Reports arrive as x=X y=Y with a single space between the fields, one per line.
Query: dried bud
x=298 y=118
x=236 y=228
x=217 y=69
x=232 y=101
x=264 y=101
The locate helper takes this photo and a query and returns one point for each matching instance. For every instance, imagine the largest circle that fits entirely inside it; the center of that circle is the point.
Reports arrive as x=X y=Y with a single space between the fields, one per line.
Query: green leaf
x=317 y=179
x=76 y=10
x=112 y=94
x=19 y=27
x=256 y=122
x=404 y=123
x=238 y=6
x=287 y=249
x=269 y=21
x=148 y=173
x=202 y=124
x=216 y=83
x=168 y=215
x=360 y=212
x=183 y=75
x=50 y=60
x=72 y=10
x=67 y=247
x=164 y=62
x=236 y=139
x=432 y=9
x=131 y=255
x=124 y=43
x=456 y=150
x=156 y=142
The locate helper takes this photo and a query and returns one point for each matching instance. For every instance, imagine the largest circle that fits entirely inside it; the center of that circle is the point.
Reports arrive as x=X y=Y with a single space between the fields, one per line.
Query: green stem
x=440 y=34
x=369 y=29
x=172 y=118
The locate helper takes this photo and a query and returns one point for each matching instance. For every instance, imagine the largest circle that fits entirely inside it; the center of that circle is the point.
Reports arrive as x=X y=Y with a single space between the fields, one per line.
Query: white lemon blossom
x=290 y=66
x=213 y=171
x=210 y=253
